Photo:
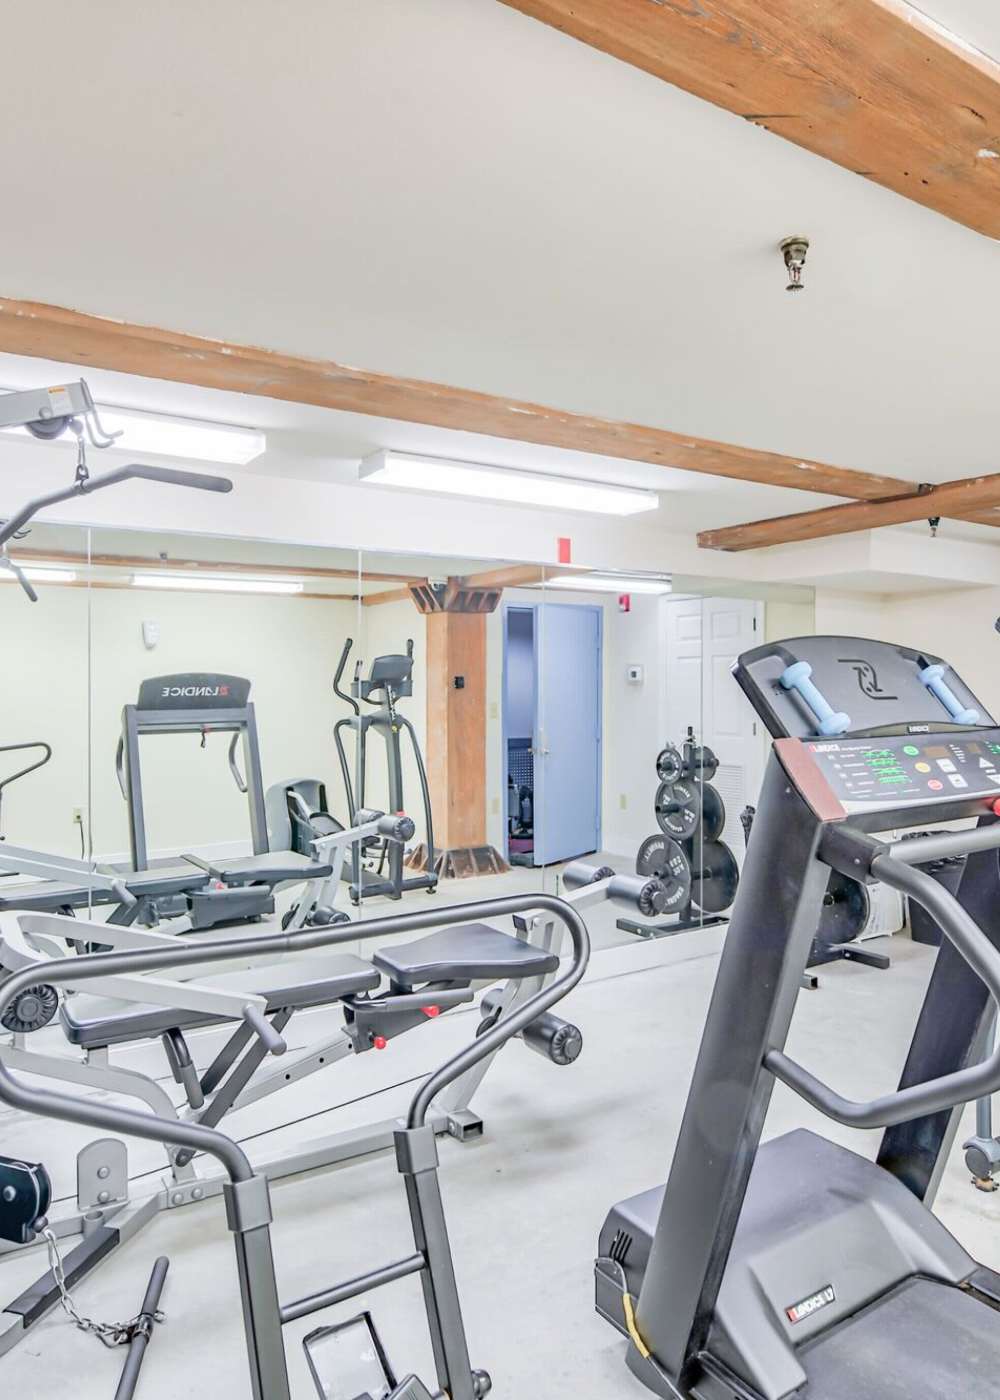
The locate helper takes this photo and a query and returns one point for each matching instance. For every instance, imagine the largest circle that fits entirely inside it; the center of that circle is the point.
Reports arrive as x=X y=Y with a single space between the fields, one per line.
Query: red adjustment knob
x=380 y=1042
x=996 y=808
x=433 y=1011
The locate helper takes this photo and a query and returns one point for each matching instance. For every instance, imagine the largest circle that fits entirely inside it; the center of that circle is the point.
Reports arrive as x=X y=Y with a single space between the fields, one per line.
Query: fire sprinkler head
x=794 y=250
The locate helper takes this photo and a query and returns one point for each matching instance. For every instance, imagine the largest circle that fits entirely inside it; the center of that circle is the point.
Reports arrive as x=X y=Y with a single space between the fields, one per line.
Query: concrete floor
x=525 y=1203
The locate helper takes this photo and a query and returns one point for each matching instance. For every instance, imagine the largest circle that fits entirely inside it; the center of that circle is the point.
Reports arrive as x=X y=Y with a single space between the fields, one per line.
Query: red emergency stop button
x=433 y=1011
x=996 y=808
x=380 y=1042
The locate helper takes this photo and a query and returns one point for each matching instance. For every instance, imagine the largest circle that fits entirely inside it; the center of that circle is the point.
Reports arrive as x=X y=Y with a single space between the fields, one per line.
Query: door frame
x=533 y=608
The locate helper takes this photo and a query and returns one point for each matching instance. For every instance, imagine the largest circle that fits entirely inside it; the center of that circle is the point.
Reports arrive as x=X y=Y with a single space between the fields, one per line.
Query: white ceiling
x=452 y=191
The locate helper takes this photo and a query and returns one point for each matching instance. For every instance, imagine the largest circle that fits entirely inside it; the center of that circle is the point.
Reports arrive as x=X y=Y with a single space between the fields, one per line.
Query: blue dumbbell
x=933 y=678
x=829 y=721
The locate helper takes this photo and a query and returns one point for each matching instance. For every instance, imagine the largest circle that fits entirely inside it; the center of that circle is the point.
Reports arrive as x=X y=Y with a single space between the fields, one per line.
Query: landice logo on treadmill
x=192 y=692
x=798 y=1312
x=867 y=678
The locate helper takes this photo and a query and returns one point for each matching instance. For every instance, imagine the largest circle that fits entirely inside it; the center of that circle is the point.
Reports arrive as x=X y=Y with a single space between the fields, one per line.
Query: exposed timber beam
x=55 y=333
x=873 y=85
x=960 y=499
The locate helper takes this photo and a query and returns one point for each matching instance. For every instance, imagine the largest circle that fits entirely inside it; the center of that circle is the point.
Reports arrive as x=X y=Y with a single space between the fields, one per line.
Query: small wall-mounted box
x=635 y=675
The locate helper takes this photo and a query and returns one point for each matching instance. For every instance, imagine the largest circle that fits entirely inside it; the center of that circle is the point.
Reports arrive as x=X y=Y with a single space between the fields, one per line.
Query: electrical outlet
x=495 y=807
x=78 y=816
x=623 y=801
x=494 y=710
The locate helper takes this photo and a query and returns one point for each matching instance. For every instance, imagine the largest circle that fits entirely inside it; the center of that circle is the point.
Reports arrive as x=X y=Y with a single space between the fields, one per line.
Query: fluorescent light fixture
x=503 y=484
x=609 y=583
x=167 y=436
x=41 y=573
x=212 y=583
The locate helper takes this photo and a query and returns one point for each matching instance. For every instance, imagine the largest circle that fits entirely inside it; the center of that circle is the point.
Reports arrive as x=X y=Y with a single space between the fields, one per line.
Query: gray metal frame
x=761 y=971
x=248 y=1209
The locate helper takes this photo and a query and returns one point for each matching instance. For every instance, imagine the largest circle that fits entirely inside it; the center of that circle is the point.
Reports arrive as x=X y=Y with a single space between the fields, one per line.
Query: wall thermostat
x=150 y=635
x=635 y=675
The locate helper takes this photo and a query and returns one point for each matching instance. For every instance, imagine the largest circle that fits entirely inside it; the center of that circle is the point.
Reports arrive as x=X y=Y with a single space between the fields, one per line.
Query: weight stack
x=698 y=870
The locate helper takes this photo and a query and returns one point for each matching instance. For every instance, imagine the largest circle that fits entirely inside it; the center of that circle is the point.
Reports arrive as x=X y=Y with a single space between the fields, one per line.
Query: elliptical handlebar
x=968 y=939
x=338 y=677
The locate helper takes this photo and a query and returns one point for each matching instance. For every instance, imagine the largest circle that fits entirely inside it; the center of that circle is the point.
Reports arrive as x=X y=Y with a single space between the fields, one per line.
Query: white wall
x=286 y=646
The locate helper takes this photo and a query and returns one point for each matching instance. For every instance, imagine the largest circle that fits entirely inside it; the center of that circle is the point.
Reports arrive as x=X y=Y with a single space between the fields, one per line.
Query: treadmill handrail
x=72 y=1109
x=936 y=1095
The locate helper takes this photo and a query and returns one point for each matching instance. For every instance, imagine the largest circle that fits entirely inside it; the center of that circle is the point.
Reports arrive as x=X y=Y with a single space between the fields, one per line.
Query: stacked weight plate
x=687 y=854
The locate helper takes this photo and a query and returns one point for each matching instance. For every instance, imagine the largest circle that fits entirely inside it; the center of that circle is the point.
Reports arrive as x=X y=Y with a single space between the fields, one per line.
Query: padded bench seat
x=268 y=867
x=465 y=953
x=93 y=1022
x=49 y=896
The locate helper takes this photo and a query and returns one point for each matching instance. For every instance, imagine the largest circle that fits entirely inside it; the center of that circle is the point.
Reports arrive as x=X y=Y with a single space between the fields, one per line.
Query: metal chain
x=82 y=471
x=109 y=1334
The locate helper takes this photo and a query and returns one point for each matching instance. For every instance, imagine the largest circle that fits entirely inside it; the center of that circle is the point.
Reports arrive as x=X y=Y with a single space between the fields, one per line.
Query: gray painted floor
x=525 y=1203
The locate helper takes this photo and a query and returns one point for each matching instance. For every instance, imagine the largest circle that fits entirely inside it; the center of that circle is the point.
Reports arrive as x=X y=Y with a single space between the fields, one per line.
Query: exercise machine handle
x=134 y=472
x=511 y=1025
x=338 y=677
x=264 y=1031
x=120 y=767
x=234 y=767
x=946 y=1092
x=92 y=1113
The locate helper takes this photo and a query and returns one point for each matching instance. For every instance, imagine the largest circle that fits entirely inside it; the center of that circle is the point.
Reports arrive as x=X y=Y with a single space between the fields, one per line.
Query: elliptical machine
x=389 y=680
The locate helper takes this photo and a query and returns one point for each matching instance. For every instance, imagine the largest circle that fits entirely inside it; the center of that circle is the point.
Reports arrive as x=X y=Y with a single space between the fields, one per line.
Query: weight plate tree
x=698 y=871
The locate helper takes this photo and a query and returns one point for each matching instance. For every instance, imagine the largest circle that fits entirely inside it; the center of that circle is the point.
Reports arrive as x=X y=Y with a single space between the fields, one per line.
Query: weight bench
x=427 y=976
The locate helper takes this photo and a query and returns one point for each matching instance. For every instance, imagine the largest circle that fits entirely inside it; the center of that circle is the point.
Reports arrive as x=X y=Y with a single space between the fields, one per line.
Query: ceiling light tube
x=609 y=583
x=41 y=573
x=205 y=583
x=450 y=478
x=168 y=436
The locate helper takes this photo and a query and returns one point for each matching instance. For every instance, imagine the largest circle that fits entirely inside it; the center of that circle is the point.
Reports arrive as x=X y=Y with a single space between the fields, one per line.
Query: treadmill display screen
x=909 y=770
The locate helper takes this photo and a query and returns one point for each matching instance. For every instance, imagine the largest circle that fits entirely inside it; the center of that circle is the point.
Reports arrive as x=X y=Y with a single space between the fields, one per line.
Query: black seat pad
x=269 y=868
x=465 y=953
x=49 y=896
x=96 y=1021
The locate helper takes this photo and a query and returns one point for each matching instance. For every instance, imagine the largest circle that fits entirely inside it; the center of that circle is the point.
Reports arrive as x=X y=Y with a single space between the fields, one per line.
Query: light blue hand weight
x=933 y=678
x=829 y=721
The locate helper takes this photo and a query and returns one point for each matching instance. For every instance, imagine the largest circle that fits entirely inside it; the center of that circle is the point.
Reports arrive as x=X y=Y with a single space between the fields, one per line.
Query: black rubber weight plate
x=669 y=764
x=660 y=856
x=678 y=809
x=846 y=906
x=713 y=813
x=706 y=765
x=713 y=888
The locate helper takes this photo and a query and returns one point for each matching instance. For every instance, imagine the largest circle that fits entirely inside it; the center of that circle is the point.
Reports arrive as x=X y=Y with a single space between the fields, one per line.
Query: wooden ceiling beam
x=873 y=85
x=55 y=333
x=953 y=498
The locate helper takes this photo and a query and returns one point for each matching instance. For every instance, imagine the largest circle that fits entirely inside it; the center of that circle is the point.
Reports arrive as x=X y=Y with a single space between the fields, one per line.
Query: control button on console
x=935 y=784
x=922 y=767
x=911 y=749
x=957 y=780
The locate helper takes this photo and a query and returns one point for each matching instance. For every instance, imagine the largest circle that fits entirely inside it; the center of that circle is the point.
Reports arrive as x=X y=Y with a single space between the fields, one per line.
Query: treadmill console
x=910 y=770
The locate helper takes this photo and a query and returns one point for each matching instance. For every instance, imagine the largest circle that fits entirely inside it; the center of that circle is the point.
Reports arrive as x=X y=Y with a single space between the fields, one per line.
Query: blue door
x=567 y=731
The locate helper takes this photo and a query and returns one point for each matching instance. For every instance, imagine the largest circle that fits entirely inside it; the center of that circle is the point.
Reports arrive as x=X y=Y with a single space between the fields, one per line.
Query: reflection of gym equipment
x=239 y=889
x=697 y=871
x=797 y=1267
x=389 y=680
x=520 y=802
x=22 y=772
x=844 y=916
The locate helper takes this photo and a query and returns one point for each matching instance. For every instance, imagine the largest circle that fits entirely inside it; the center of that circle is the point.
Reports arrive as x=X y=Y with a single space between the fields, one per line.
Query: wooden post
x=456 y=745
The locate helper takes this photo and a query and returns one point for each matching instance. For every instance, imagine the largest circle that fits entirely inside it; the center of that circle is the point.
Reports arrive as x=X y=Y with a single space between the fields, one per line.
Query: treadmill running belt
x=926 y=1341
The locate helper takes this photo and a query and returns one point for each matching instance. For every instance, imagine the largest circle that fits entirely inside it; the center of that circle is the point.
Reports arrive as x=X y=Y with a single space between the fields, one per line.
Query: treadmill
x=797 y=1267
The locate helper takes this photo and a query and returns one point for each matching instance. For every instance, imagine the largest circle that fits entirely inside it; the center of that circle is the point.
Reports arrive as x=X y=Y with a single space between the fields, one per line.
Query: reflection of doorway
x=552 y=671
x=704 y=638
